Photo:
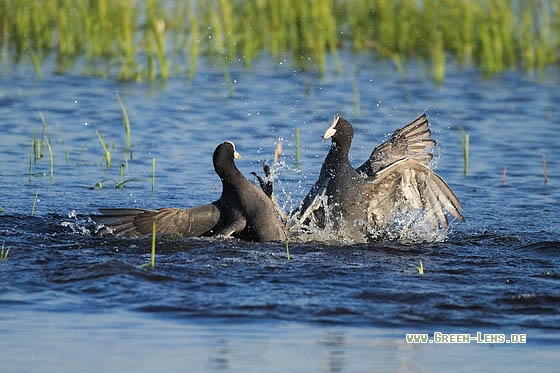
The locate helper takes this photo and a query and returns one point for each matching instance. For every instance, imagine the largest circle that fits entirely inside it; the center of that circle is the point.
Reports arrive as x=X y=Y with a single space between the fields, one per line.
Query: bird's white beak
x=331 y=130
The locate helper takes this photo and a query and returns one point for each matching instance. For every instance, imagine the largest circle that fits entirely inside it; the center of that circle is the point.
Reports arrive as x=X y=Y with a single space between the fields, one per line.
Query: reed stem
x=126 y=121
x=107 y=156
x=465 y=146
x=4 y=253
x=48 y=142
x=420 y=268
x=34 y=203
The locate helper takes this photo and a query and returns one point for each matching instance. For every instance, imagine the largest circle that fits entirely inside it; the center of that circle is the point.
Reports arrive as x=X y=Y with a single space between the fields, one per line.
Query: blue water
x=72 y=299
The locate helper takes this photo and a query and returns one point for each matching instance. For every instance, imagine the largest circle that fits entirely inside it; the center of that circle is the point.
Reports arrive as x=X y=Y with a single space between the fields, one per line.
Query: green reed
x=119 y=184
x=4 y=252
x=152 y=262
x=36 y=154
x=465 y=145
x=126 y=121
x=34 y=203
x=138 y=40
x=46 y=136
x=36 y=146
x=107 y=155
x=420 y=268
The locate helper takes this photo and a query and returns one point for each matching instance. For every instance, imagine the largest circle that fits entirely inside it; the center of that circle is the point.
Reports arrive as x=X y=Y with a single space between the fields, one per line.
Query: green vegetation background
x=150 y=40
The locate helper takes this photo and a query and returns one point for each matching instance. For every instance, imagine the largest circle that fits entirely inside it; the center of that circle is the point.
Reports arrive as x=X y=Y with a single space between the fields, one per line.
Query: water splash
x=84 y=225
x=411 y=226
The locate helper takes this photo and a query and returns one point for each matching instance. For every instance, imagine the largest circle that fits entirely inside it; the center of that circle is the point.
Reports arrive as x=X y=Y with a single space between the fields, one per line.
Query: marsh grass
x=36 y=146
x=47 y=136
x=152 y=262
x=126 y=121
x=121 y=172
x=4 y=252
x=34 y=203
x=138 y=40
x=420 y=268
x=119 y=184
x=36 y=153
x=465 y=145
x=107 y=156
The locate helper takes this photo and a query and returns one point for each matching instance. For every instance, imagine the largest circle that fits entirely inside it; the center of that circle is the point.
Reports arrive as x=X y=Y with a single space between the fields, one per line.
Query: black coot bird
x=243 y=210
x=395 y=180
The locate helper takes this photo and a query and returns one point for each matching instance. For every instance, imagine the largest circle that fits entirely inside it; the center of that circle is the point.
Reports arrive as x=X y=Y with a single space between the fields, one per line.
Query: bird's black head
x=340 y=131
x=223 y=158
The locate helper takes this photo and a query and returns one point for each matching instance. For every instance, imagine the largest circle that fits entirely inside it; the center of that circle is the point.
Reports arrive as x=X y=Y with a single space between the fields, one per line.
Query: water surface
x=71 y=298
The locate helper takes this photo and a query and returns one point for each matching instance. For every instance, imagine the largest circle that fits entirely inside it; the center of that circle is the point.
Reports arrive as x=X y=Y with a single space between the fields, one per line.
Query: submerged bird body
x=395 y=180
x=243 y=210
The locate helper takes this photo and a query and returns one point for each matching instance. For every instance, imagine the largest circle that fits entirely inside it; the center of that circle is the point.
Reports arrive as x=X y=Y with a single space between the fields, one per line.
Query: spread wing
x=312 y=207
x=190 y=222
x=411 y=141
x=409 y=185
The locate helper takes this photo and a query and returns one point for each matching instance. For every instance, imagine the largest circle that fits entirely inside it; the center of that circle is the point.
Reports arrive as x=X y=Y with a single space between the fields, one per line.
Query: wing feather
x=409 y=185
x=411 y=141
x=184 y=222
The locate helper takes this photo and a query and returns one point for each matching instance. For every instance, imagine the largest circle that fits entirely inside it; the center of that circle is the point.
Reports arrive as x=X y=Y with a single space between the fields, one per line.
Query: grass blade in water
x=126 y=121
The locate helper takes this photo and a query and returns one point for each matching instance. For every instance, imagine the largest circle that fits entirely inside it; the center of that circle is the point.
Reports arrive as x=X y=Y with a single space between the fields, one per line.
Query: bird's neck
x=339 y=152
x=337 y=162
x=230 y=175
